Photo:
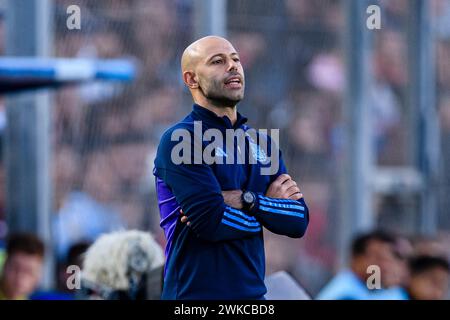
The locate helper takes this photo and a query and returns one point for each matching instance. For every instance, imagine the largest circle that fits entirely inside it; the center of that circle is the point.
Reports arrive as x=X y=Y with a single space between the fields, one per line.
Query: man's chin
x=236 y=98
x=227 y=101
x=232 y=102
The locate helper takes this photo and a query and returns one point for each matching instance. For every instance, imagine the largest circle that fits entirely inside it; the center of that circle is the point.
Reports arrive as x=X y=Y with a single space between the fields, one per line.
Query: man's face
x=220 y=74
x=430 y=285
x=21 y=273
x=380 y=254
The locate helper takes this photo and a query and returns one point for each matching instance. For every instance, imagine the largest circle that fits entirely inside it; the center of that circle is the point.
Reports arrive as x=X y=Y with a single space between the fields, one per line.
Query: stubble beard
x=216 y=95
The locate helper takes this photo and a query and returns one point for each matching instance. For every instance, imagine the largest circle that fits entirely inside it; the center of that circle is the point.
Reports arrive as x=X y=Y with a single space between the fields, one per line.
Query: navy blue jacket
x=220 y=255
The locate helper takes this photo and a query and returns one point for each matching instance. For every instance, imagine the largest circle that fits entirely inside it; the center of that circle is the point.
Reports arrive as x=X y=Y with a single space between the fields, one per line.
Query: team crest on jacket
x=257 y=152
x=220 y=152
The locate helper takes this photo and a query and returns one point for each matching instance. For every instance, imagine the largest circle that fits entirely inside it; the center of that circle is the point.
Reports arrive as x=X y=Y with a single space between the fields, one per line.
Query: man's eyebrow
x=221 y=55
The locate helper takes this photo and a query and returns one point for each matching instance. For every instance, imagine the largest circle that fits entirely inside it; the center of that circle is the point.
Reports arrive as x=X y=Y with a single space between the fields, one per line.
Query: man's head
x=429 y=278
x=212 y=70
x=23 y=265
x=374 y=248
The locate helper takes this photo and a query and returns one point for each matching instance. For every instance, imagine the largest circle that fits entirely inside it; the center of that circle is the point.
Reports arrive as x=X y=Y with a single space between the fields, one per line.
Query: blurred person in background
x=2 y=32
x=3 y=224
x=388 y=97
x=75 y=257
x=22 y=269
x=403 y=250
x=87 y=213
x=155 y=46
x=374 y=248
x=66 y=278
x=429 y=278
x=431 y=246
x=444 y=119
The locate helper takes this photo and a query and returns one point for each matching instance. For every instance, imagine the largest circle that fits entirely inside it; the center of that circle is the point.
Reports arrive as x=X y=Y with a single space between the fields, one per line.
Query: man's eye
x=236 y=59
x=217 y=61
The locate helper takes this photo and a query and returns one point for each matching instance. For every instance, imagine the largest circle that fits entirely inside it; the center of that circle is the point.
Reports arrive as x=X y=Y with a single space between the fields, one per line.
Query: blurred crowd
x=128 y=265
x=385 y=266
x=104 y=135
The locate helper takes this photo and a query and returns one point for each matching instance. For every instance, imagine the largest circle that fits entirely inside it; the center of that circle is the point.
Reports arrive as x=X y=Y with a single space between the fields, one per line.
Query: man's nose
x=232 y=65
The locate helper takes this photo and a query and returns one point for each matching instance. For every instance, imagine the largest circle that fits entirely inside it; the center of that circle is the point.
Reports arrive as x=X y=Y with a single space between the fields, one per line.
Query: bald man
x=213 y=207
x=218 y=89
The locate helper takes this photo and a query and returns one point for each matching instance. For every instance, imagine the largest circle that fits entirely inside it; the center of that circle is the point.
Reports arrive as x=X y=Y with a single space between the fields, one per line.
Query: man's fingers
x=184 y=219
x=277 y=186
x=283 y=178
x=296 y=196
x=288 y=184
x=292 y=190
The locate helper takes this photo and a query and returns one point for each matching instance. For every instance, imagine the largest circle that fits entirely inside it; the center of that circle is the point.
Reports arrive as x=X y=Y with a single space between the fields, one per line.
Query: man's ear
x=190 y=79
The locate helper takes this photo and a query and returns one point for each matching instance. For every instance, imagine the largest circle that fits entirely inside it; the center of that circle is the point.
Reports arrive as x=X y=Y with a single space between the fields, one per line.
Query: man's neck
x=221 y=111
x=358 y=272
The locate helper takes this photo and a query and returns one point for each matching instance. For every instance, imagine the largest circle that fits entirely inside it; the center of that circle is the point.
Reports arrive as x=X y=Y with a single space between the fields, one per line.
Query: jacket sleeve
x=199 y=194
x=281 y=216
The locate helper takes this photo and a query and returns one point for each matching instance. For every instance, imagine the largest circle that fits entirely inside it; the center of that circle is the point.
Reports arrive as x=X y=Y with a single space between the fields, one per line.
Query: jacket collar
x=203 y=114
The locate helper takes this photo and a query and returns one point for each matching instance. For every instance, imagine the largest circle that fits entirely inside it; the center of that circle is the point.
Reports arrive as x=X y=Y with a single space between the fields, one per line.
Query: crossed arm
x=215 y=215
x=283 y=187
x=281 y=210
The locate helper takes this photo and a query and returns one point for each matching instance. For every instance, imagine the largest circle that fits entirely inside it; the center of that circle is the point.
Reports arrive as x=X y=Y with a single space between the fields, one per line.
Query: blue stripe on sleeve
x=240 y=213
x=231 y=224
x=288 y=213
x=277 y=200
x=281 y=205
x=247 y=223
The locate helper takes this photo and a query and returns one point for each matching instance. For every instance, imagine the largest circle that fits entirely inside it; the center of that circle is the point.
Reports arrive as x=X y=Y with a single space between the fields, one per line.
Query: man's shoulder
x=344 y=286
x=186 y=124
x=172 y=136
x=259 y=133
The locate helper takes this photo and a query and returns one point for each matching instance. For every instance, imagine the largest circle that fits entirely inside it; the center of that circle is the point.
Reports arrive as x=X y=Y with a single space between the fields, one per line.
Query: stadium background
x=103 y=135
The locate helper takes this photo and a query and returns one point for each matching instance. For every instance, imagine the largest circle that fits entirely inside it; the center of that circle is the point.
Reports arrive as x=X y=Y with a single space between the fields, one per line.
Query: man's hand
x=184 y=219
x=233 y=198
x=284 y=188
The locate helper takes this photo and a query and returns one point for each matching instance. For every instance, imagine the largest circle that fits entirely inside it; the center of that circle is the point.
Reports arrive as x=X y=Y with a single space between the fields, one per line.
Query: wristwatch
x=248 y=200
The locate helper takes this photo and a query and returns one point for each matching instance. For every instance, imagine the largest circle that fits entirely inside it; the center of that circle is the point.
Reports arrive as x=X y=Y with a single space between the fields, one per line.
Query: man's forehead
x=205 y=48
x=20 y=256
x=216 y=48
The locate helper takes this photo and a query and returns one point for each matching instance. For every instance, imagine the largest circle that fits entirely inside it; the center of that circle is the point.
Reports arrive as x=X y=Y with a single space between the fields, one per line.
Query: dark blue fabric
x=221 y=254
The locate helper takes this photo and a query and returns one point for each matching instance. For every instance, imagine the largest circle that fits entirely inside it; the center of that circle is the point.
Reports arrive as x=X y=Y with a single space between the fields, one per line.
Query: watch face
x=248 y=197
